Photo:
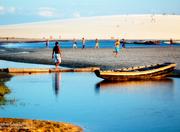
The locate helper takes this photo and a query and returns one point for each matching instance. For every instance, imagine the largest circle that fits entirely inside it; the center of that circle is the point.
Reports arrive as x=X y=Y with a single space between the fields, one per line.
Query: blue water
x=95 y=105
x=11 y=64
x=89 y=44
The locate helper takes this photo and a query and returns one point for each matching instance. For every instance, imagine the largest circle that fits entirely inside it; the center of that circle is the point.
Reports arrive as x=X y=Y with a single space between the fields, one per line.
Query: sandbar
x=102 y=57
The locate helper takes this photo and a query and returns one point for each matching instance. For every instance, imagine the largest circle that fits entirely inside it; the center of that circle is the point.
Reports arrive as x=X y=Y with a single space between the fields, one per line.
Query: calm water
x=97 y=106
x=89 y=44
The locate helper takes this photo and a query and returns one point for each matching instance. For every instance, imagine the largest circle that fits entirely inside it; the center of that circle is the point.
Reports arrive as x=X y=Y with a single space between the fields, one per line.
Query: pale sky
x=23 y=11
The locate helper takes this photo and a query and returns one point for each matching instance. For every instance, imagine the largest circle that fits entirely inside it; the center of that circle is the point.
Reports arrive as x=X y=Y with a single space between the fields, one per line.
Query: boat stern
x=97 y=72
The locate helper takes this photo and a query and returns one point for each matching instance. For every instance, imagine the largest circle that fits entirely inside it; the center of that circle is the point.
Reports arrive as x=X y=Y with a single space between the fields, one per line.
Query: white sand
x=104 y=27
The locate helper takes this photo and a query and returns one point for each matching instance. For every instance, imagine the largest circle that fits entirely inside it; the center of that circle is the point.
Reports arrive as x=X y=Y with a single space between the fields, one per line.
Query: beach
x=103 y=58
x=147 y=26
x=11 y=124
x=130 y=27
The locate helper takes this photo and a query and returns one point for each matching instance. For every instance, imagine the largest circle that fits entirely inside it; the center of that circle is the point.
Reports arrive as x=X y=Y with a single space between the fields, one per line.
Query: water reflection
x=56 y=82
x=103 y=85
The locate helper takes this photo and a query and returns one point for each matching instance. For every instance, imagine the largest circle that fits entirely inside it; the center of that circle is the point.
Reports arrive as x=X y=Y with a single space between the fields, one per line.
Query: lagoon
x=89 y=44
x=95 y=105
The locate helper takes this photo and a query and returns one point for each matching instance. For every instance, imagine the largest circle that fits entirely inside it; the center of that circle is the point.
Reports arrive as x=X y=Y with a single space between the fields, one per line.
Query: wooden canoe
x=150 y=72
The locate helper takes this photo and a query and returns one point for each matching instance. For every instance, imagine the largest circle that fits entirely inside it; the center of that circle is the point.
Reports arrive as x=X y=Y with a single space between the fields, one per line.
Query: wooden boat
x=150 y=72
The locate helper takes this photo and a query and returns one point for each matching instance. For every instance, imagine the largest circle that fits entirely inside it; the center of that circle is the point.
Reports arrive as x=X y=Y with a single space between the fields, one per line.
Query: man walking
x=56 y=54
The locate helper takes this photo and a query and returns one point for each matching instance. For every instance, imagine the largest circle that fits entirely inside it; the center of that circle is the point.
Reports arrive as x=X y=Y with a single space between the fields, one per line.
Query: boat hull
x=126 y=76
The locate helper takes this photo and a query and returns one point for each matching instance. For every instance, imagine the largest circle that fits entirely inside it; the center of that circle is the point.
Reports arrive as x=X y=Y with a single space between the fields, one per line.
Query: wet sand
x=17 y=40
x=103 y=58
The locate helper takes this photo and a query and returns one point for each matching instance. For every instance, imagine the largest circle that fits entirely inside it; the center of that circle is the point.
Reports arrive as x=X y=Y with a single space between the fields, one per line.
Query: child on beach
x=56 y=54
x=117 y=45
x=74 y=43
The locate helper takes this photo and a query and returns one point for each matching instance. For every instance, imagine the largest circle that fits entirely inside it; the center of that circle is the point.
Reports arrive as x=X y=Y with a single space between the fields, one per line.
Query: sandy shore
x=18 y=40
x=103 y=58
x=25 y=40
x=161 y=27
x=16 y=125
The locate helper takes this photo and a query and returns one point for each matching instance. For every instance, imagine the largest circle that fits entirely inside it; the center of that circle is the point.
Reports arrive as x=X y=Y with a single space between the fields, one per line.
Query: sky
x=27 y=11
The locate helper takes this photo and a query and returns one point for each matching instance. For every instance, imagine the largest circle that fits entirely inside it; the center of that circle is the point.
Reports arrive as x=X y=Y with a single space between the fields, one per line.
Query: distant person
x=171 y=41
x=96 y=43
x=47 y=43
x=123 y=43
x=117 y=46
x=74 y=43
x=153 y=18
x=56 y=54
x=83 y=43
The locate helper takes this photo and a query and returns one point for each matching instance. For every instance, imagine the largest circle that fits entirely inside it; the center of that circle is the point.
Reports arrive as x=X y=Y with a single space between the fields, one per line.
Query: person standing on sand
x=83 y=43
x=97 y=43
x=47 y=43
x=56 y=54
x=74 y=43
x=171 y=41
x=123 y=43
x=116 y=46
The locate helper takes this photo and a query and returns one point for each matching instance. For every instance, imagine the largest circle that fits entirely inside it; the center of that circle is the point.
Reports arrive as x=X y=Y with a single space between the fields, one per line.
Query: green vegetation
x=3 y=90
x=4 y=77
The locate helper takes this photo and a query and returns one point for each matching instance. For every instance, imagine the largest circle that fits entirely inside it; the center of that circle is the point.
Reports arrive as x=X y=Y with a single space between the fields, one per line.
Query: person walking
x=47 y=43
x=96 y=43
x=123 y=43
x=57 y=54
x=83 y=43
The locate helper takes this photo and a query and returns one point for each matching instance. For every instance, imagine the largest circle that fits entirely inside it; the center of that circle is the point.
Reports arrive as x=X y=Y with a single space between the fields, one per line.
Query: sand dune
x=103 y=27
